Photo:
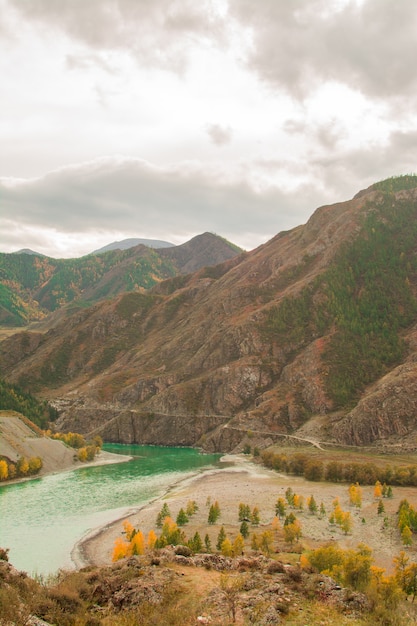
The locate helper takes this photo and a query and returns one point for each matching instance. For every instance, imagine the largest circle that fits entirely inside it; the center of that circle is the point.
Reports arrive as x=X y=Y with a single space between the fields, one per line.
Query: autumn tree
x=152 y=539
x=378 y=490
x=292 y=532
x=238 y=545
x=4 y=470
x=266 y=542
x=137 y=543
x=226 y=547
x=244 y=512
x=120 y=549
x=192 y=508
x=254 y=516
x=355 y=495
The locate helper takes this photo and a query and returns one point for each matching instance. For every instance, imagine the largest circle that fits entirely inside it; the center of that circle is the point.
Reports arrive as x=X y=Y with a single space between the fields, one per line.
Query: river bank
x=241 y=481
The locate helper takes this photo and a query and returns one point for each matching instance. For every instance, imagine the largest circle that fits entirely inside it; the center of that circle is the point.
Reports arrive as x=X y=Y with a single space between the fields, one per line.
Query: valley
x=301 y=354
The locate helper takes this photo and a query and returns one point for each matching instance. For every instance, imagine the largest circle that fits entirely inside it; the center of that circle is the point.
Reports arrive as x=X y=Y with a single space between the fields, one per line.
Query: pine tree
x=280 y=508
x=312 y=505
x=381 y=507
x=220 y=538
x=163 y=513
x=244 y=529
x=182 y=517
x=207 y=544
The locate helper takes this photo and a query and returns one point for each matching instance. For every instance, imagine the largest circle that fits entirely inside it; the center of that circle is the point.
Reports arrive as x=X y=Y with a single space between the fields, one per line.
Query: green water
x=42 y=519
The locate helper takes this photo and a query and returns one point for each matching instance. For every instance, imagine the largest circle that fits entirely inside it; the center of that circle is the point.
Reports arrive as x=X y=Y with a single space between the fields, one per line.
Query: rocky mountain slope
x=313 y=334
x=31 y=285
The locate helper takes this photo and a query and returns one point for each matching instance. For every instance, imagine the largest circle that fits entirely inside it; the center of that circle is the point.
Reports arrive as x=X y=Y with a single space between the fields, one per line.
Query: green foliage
x=14 y=398
x=32 y=285
x=362 y=302
x=397 y=183
x=214 y=513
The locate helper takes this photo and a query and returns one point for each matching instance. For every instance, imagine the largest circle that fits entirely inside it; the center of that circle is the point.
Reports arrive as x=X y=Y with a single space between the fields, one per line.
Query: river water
x=42 y=519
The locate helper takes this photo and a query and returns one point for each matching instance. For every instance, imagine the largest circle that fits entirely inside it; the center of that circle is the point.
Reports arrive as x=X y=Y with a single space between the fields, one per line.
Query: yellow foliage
x=120 y=550
x=238 y=545
x=137 y=543
x=227 y=548
x=378 y=490
x=4 y=470
x=129 y=530
x=152 y=538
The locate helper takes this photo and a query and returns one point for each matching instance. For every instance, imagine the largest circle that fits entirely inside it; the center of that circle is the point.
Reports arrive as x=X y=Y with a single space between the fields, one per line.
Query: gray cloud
x=219 y=135
x=155 y=33
x=370 y=46
x=132 y=196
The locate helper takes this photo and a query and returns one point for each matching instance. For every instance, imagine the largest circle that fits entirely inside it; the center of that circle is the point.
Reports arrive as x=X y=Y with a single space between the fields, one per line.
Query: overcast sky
x=168 y=118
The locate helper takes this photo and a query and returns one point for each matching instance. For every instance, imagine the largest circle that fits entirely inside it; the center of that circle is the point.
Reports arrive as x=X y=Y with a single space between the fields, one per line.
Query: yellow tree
x=152 y=538
x=129 y=530
x=121 y=549
x=292 y=532
x=267 y=540
x=355 y=495
x=346 y=523
x=226 y=547
x=378 y=490
x=4 y=470
x=238 y=545
x=137 y=543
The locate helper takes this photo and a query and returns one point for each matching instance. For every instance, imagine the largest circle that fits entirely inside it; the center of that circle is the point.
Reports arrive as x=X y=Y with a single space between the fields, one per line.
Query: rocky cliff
x=318 y=322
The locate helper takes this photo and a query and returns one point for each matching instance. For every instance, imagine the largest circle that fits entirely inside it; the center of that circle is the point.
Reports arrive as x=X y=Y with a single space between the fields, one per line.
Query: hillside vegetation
x=313 y=335
x=31 y=285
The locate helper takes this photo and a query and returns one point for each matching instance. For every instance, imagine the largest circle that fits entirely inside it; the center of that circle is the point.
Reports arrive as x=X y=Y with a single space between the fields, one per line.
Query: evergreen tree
x=182 y=517
x=280 y=508
x=163 y=513
x=244 y=529
x=207 y=544
x=220 y=538
x=312 y=505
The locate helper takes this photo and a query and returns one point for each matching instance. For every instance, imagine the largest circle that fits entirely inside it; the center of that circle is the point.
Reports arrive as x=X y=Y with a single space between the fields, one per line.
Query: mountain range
x=32 y=285
x=312 y=336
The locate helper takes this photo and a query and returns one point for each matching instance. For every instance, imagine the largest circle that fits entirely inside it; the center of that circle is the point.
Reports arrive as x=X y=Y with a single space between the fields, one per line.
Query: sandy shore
x=242 y=481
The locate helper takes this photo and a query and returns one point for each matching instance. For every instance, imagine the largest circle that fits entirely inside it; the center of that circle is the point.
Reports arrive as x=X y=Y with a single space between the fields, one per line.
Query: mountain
x=131 y=243
x=312 y=335
x=32 y=286
x=27 y=251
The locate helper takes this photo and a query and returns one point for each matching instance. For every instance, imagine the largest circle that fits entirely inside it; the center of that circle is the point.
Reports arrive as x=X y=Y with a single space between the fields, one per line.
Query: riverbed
x=42 y=519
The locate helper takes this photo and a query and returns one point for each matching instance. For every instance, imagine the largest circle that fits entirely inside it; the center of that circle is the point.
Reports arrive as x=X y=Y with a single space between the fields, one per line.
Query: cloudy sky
x=168 y=118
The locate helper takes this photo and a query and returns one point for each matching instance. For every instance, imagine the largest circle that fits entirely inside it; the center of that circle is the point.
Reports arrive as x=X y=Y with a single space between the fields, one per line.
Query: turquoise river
x=42 y=519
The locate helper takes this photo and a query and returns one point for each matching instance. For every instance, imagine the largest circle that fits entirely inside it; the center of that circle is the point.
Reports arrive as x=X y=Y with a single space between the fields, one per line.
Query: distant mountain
x=27 y=251
x=125 y=244
x=33 y=286
x=312 y=335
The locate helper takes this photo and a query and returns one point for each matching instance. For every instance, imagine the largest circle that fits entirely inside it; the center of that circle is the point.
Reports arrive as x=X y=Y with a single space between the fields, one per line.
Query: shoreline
x=84 y=552
x=103 y=458
x=242 y=481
